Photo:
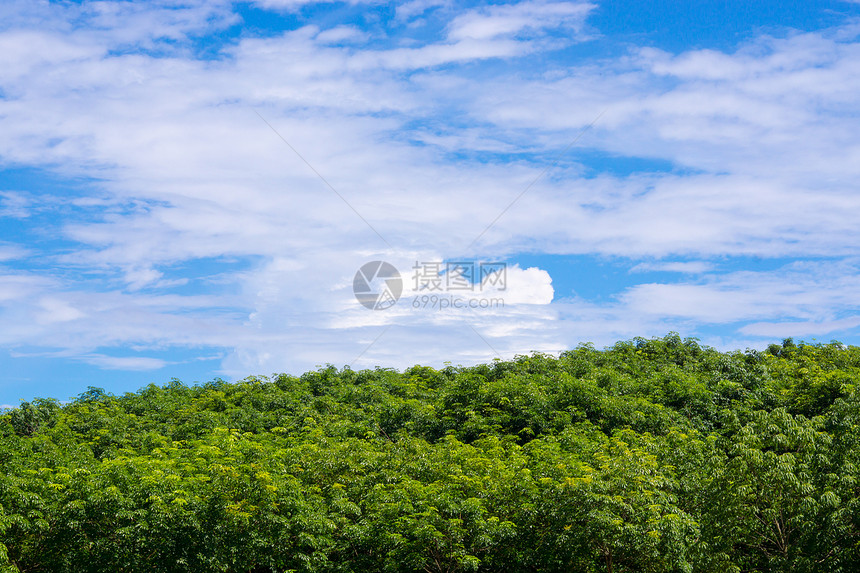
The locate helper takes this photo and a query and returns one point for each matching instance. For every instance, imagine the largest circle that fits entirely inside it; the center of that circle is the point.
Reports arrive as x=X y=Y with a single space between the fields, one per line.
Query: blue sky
x=188 y=188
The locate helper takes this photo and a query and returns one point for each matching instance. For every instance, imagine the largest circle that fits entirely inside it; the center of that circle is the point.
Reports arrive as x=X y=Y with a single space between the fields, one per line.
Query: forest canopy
x=651 y=455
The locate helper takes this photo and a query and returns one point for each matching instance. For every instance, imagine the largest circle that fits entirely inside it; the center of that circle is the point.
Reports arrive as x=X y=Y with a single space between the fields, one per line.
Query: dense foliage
x=651 y=455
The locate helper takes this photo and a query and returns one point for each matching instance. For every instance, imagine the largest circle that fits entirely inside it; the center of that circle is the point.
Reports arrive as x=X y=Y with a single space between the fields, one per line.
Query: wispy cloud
x=788 y=329
x=518 y=20
x=12 y=252
x=687 y=267
x=124 y=362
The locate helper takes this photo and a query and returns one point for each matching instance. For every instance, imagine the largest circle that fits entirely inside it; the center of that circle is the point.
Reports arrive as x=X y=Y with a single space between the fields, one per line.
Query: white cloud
x=509 y=20
x=53 y=310
x=687 y=267
x=813 y=291
x=127 y=363
x=293 y=5
x=135 y=363
x=523 y=286
x=12 y=252
x=15 y=205
x=341 y=34
x=412 y=8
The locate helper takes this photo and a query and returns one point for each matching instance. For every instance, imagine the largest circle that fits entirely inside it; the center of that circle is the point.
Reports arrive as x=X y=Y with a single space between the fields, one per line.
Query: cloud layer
x=191 y=220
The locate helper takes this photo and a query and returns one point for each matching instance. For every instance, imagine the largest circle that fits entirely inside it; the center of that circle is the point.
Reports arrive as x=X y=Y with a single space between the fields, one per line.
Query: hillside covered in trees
x=648 y=456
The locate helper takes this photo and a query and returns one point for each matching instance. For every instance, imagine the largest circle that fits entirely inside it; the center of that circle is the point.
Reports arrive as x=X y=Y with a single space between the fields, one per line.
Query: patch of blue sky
x=677 y=25
x=252 y=22
x=602 y=279
x=458 y=138
x=375 y=22
x=593 y=278
x=53 y=190
x=38 y=206
x=728 y=335
x=36 y=198
x=29 y=374
x=214 y=43
x=263 y=23
x=596 y=163
x=376 y=27
x=215 y=276
x=671 y=25
x=474 y=155
x=161 y=48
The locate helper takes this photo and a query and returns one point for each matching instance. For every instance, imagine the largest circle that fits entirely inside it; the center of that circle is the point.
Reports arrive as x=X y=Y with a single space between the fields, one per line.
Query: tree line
x=652 y=455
